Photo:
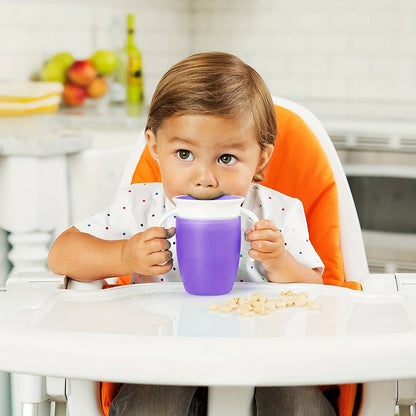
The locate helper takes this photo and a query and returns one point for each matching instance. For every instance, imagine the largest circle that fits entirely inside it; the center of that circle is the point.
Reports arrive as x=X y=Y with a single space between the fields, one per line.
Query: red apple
x=82 y=73
x=97 y=88
x=73 y=95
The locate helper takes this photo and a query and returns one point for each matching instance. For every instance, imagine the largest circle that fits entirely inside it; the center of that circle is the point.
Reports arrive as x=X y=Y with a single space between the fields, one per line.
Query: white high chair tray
x=158 y=333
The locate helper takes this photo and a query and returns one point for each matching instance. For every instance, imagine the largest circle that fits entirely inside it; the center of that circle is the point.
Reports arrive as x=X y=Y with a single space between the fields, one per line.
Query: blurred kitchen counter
x=111 y=124
x=97 y=125
x=70 y=164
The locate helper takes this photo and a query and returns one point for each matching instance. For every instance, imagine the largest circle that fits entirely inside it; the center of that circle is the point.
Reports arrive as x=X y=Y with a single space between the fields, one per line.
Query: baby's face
x=206 y=156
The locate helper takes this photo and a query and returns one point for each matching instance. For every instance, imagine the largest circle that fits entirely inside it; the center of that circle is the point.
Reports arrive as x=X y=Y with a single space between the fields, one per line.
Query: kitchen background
x=352 y=62
x=342 y=58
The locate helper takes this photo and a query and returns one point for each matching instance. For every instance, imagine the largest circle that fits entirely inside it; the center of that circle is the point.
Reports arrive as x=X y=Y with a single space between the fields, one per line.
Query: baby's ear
x=151 y=144
x=265 y=155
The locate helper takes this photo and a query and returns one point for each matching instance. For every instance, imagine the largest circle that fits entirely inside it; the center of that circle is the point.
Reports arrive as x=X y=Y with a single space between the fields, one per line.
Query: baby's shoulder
x=271 y=197
x=142 y=190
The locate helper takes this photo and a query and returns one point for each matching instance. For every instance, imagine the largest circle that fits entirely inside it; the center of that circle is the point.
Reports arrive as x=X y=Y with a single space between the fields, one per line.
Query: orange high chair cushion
x=298 y=168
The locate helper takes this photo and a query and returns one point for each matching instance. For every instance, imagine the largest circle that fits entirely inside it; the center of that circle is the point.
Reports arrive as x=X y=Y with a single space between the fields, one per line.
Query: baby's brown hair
x=217 y=84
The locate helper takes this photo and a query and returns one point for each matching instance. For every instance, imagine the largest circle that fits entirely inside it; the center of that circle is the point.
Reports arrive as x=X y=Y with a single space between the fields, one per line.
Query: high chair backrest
x=304 y=165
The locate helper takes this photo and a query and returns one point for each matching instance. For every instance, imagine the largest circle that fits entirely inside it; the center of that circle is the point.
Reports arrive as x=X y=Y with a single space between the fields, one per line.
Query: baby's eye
x=185 y=154
x=227 y=159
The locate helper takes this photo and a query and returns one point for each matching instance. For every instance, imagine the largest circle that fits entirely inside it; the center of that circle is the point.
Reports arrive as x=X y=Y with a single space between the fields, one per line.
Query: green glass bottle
x=134 y=82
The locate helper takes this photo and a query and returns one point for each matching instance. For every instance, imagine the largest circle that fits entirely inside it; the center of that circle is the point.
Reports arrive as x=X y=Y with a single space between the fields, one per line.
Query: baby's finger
x=158 y=232
x=160 y=269
x=266 y=235
x=263 y=246
x=157 y=244
x=264 y=225
x=170 y=232
x=160 y=258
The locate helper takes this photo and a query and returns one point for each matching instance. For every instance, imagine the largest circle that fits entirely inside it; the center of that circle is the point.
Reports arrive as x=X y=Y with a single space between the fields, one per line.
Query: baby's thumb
x=247 y=232
x=170 y=232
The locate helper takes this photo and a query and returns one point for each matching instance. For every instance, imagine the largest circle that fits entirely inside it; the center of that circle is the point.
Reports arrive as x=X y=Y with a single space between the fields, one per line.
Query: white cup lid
x=225 y=206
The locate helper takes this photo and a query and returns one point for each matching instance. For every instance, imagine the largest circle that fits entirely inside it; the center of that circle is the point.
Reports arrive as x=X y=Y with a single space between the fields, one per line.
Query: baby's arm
x=85 y=257
x=268 y=247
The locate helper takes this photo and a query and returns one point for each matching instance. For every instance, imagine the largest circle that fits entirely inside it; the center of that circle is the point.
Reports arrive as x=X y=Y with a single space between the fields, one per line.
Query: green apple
x=105 y=62
x=53 y=71
x=64 y=58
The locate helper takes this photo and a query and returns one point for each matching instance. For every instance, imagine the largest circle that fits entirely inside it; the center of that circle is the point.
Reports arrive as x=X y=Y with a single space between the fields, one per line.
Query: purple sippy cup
x=208 y=242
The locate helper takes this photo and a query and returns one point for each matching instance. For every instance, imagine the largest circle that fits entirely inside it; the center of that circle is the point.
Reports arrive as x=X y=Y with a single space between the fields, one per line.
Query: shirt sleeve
x=114 y=223
x=296 y=236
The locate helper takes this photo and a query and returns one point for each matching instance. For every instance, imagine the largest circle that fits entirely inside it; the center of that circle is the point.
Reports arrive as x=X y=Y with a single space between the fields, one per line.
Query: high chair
x=304 y=165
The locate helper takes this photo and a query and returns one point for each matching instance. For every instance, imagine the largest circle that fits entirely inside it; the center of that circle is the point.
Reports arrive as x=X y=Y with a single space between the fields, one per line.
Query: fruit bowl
x=82 y=80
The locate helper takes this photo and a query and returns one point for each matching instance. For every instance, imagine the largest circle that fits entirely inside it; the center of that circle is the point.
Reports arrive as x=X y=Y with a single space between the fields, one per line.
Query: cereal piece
x=300 y=302
x=289 y=300
x=214 y=307
x=263 y=311
x=258 y=308
x=246 y=307
x=280 y=303
x=312 y=304
x=302 y=294
x=232 y=303
x=246 y=313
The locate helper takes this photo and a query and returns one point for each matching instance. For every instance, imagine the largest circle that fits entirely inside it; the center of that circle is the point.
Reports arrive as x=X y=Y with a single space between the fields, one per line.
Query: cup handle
x=251 y=215
x=168 y=214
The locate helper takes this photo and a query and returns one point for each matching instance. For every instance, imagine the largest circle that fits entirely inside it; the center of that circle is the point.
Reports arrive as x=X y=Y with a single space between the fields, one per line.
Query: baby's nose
x=205 y=177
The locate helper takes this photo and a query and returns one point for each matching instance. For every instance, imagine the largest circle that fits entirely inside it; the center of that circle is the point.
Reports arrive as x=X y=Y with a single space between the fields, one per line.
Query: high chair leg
x=226 y=401
x=83 y=398
x=379 y=398
x=35 y=409
x=60 y=409
x=30 y=409
x=32 y=395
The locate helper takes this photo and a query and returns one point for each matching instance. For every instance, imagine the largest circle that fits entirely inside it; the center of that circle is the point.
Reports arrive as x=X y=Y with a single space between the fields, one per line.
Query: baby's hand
x=148 y=252
x=267 y=245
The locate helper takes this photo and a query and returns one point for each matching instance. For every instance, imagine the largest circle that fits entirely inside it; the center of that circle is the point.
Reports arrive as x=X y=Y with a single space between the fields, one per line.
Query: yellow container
x=20 y=98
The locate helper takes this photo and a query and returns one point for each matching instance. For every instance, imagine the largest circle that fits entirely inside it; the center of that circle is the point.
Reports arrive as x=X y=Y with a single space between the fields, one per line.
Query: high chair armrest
x=380 y=283
x=390 y=283
x=43 y=280
x=406 y=282
x=51 y=281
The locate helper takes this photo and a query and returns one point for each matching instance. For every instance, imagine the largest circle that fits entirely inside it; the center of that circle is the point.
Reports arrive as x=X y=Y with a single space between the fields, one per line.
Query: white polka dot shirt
x=141 y=206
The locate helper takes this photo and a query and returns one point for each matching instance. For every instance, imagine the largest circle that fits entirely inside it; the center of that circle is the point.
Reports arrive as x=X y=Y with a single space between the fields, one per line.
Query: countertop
x=71 y=130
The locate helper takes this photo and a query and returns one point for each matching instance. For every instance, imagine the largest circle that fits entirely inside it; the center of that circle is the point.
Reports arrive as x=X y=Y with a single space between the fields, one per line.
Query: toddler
x=211 y=128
